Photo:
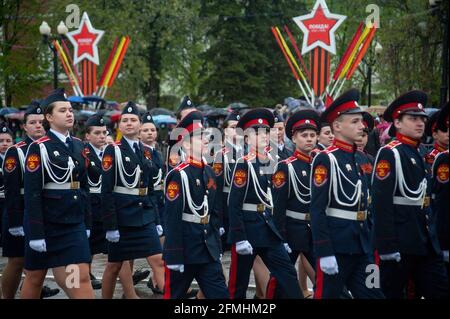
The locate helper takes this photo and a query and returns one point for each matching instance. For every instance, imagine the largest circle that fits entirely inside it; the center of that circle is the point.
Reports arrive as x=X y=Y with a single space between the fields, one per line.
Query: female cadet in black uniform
x=128 y=213
x=57 y=209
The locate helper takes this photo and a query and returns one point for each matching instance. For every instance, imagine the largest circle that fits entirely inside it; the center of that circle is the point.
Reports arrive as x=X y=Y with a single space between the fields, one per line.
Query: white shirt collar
x=131 y=142
x=97 y=151
x=60 y=136
x=2 y=156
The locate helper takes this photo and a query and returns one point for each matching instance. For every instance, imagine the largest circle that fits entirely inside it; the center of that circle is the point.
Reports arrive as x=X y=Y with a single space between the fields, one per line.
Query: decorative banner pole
x=319 y=29
x=85 y=41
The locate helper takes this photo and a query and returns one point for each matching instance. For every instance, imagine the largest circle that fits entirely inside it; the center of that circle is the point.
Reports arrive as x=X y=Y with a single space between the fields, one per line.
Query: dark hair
x=47 y=110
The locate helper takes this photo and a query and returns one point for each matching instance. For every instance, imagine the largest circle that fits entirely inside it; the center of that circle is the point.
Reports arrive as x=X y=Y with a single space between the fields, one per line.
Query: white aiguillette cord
x=258 y=189
x=136 y=173
x=295 y=180
x=192 y=206
x=46 y=161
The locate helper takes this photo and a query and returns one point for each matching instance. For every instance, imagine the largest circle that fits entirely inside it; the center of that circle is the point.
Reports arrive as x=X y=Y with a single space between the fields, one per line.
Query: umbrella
x=8 y=110
x=15 y=116
x=75 y=99
x=161 y=111
x=217 y=112
x=162 y=120
x=204 y=108
x=237 y=106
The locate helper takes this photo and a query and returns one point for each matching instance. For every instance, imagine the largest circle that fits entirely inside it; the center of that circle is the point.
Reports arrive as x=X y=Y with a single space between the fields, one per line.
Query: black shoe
x=155 y=290
x=140 y=275
x=96 y=283
x=48 y=292
x=192 y=294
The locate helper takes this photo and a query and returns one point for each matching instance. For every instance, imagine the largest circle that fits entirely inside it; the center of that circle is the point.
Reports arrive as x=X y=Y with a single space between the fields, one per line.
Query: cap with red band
x=347 y=103
x=303 y=119
x=191 y=123
x=412 y=102
x=256 y=118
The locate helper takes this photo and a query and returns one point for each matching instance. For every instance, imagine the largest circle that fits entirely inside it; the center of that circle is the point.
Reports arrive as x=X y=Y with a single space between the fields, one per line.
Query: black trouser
x=427 y=273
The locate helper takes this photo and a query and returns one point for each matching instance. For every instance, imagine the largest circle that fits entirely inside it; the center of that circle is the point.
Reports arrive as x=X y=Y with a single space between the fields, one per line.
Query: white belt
x=55 y=186
x=158 y=187
x=297 y=215
x=130 y=191
x=195 y=219
x=226 y=189
x=346 y=214
x=95 y=190
x=398 y=200
x=260 y=208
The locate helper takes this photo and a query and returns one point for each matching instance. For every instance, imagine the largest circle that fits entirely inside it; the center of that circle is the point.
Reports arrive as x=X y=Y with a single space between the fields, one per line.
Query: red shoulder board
x=20 y=144
x=225 y=150
x=117 y=143
x=87 y=151
x=393 y=144
x=43 y=139
x=289 y=160
x=429 y=158
x=330 y=149
x=181 y=166
x=249 y=157
x=76 y=138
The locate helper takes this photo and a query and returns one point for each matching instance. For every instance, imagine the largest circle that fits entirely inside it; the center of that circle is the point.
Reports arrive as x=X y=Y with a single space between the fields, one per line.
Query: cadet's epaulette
x=76 y=138
x=429 y=158
x=181 y=166
x=20 y=144
x=249 y=157
x=42 y=139
x=289 y=160
x=225 y=150
x=393 y=144
x=87 y=151
x=117 y=143
x=330 y=149
x=267 y=149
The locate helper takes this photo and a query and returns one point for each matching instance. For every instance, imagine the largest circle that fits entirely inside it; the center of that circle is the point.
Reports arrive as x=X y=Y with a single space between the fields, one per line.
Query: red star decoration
x=85 y=40
x=319 y=27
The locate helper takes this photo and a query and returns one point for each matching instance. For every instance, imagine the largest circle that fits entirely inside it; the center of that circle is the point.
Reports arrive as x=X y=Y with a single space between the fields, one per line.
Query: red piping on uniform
x=167 y=294
x=377 y=257
x=319 y=281
x=233 y=272
x=271 y=287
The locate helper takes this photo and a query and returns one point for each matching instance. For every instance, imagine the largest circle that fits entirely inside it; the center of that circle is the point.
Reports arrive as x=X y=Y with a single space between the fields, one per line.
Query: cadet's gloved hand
x=445 y=254
x=221 y=231
x=159 y=229
x=288 y=249
x=88 y=233
x=394 y=256
x=38 y=245
x=113 y=236
x=244 y=248
x=329 y=265
x=16 y=231
x=179 y=268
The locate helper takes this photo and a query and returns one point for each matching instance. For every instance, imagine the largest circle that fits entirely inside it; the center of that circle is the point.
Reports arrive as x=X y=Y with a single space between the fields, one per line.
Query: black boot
x=48 y=292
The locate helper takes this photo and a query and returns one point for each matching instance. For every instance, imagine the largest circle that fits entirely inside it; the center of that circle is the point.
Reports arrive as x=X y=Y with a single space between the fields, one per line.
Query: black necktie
x=69 y=143
x=136 y=148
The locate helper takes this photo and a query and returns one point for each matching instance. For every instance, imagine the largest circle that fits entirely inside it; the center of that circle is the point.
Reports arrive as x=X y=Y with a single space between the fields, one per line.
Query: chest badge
x=348 y=167
x=197 y=181
x=413 y=161
x=56 y=153
x=303 y=173
x=127 y=159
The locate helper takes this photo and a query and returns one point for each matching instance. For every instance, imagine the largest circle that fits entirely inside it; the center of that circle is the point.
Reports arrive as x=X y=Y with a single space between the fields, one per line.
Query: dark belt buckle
x=260 y=208
x=426 y=201
x=142 y=191
x=361 y=216
x=307 y=216
x=74 y=185
x=204 y=220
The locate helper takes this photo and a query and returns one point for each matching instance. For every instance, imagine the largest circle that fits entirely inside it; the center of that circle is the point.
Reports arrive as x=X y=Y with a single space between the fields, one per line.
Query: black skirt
x=97 y=240
x=135 y=243
x=67 y=244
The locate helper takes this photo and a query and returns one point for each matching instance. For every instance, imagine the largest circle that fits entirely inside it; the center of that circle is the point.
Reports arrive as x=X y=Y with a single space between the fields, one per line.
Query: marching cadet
x=128 y=213
x=13 y=240
x=252 y=230
x=440 y=173
x=326 y=136
x=174 y=158
x=283 y=151
x=405 y=231
x=338 y=206
x=57 y=208
x=223 y=165
x=291 y=190
x=440 y=138
x=192 y=245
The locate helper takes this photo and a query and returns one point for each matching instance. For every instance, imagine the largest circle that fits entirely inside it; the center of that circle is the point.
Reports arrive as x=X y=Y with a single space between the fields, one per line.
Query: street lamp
x=47 y=38
x=378 y=49
x=440 y=8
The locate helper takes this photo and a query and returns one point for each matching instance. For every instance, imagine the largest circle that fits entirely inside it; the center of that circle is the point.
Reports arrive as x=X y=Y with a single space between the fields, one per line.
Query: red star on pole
x=85 y=40
x=319 y=27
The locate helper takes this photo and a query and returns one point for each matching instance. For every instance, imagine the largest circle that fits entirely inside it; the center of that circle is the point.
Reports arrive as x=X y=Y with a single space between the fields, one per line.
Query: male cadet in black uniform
x=223 y=166
x=291 y=190
x=326 y=136
x=439 y=188
x=252 y=230
x=440 y=138
x=192 y=245
x=96 y=133
x=174 y=158
x=405 y=229
x=283 y=151
x=339 y=195
x=13 y=240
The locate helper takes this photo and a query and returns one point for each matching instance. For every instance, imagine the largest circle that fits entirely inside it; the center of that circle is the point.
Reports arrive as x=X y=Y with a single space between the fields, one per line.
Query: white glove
x=394 y=256
x=88 y=233
x=288 y=249
x=329 y=265
x=179 y=267
x=221 y=231
x=159 y=229
x=244 y=248
x=113 y=236
x=445 y=254
x=38 y=245
x=16 y=231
